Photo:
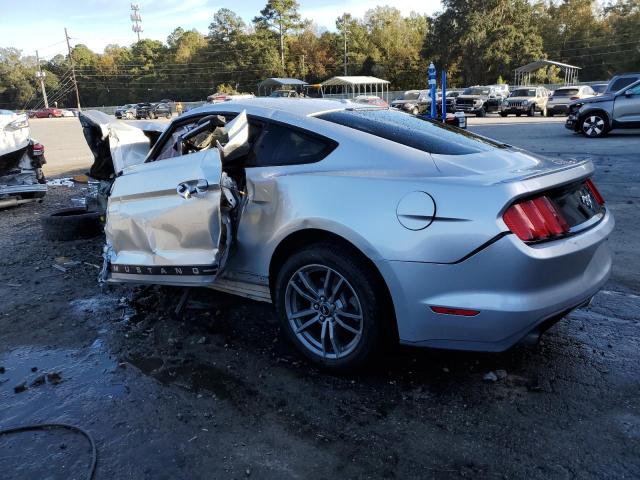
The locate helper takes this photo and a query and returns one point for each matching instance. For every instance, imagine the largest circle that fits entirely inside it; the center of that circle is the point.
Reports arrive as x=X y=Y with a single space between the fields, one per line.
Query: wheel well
x=598 y=111
x=305 y=238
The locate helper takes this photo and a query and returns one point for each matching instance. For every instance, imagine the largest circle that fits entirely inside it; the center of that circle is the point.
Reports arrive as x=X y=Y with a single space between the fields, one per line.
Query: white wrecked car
x=21 y=160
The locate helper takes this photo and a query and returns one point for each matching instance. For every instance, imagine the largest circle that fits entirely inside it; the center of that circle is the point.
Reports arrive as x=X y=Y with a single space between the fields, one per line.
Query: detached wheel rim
x=324 y=311
x=593 y=126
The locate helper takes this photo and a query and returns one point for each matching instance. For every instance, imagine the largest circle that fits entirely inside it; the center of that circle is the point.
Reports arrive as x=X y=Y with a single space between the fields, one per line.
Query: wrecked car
x=21 y=160
x=359 y=224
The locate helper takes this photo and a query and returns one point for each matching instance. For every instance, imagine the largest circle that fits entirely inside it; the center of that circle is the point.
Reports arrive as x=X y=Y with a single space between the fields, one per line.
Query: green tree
x=281 y=17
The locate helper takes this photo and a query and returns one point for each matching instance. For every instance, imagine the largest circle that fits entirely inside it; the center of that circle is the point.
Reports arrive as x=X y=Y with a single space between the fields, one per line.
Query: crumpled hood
x=500 y=165
x=607 y=97
x=115 y=145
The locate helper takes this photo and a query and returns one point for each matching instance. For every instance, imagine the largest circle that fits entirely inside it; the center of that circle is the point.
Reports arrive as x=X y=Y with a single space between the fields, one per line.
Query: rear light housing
x=462 y=312
x=539 y=219
x=37 y=149
x=574 y=98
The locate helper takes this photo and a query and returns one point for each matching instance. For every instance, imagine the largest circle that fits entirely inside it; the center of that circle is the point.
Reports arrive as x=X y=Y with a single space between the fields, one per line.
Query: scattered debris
x=2 y=370
x=490 y=377
x=54 y=378
x=20 y=388
x=59 y=267
x=39 y=380
x=61 y=182
x=501 y=374
x=34 y=369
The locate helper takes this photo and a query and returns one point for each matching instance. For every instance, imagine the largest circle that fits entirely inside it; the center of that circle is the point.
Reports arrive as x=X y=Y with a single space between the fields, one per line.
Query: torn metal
x=21 y=160
x=196 y=180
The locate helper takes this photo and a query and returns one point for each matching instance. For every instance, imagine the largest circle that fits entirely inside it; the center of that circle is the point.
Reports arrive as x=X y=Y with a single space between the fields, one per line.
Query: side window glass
x=280 y=145
x=635 y=90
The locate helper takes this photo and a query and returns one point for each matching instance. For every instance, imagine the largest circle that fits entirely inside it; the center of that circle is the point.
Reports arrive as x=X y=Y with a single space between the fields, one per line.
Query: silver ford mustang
x=359 y=224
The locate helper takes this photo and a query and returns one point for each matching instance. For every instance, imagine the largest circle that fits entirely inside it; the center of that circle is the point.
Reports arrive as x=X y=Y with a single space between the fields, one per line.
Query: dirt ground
x=220 y=394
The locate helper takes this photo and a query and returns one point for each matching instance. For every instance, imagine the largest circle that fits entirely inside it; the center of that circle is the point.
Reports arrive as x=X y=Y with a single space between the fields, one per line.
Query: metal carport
x=522 y=75
x=271 y=84
x=350 y=86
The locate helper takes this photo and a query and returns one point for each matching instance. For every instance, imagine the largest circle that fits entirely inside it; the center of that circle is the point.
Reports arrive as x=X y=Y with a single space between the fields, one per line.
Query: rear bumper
x=515 y=287
x=558 y=109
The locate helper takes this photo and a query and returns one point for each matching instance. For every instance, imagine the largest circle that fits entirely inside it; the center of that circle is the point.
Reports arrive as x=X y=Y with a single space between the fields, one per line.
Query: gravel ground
x=219 y=394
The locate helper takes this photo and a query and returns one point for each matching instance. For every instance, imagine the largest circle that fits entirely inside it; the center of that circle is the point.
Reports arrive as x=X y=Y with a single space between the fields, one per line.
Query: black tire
x=532 y=111
x=503 y=114
x=518 y=114
x=549 y=113
x=50 y=115
x=370 y=297
x=481 y=113
x=71 y=224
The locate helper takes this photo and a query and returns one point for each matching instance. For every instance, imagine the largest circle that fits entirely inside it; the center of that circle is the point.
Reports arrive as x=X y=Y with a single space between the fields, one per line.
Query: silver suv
x=596 y=116
x=528 y=100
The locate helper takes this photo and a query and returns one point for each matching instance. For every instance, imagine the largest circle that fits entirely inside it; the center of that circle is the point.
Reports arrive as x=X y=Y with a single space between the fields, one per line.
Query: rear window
x=410 y=96
x=415 y=132
x=565 y=92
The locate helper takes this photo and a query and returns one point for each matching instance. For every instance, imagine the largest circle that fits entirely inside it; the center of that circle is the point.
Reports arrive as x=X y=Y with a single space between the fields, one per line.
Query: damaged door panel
x=21 y=160
x=172 y=219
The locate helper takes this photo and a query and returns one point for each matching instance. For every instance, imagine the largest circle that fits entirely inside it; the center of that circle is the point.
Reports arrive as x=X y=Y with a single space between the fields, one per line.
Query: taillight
x=37 y=148
x=575 y=98
x=594 y=191
x=536 y=219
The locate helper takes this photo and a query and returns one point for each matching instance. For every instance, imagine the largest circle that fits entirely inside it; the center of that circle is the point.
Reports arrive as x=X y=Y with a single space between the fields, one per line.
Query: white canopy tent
x=352 y=86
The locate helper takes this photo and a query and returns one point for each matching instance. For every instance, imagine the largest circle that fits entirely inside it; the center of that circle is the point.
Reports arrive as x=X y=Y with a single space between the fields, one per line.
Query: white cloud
x=325 y=15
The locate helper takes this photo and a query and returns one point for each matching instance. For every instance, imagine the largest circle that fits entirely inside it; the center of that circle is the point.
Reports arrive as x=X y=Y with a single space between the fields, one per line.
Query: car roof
x=303 y=107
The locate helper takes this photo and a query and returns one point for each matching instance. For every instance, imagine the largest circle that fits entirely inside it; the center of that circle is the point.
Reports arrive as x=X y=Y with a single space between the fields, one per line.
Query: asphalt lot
x=219 y=394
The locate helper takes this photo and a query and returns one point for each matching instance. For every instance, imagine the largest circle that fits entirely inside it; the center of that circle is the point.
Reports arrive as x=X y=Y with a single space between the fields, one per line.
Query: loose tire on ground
x=314 y=261
x=71 y=224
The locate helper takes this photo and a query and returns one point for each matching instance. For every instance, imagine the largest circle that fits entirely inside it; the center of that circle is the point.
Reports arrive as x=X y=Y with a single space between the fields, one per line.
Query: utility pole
x=344 y=28
x=303 y=69
x=136 y=19
x=40 y=76
x=73 y=69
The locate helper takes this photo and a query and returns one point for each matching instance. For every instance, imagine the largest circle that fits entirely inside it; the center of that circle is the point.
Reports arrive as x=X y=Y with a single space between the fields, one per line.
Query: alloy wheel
x=324 y=311
x=593 y=126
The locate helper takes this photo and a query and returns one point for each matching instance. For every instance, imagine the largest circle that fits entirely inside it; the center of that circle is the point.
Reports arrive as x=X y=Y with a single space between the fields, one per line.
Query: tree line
x=477 y=41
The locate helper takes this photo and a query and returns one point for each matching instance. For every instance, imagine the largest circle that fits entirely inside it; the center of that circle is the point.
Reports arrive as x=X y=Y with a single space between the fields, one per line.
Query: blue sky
x=30 y=24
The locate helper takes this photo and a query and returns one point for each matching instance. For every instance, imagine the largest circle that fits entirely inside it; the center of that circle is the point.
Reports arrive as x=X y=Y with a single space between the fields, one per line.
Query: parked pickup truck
x=526 y=100
x=480 y=100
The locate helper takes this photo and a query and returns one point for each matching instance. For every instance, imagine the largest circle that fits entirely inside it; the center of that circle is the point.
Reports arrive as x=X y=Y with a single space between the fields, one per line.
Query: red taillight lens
x=536 y=219
x=575 y=98
x=455 y=311
x=37 y=149
x=595 y=192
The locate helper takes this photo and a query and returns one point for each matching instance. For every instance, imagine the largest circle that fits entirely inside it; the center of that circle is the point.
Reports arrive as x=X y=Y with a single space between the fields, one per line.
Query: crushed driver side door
x=169 y=219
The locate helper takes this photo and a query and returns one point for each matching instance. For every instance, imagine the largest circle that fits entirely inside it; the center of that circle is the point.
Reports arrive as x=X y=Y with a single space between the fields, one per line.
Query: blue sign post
x=432 y=87
x=444 y=96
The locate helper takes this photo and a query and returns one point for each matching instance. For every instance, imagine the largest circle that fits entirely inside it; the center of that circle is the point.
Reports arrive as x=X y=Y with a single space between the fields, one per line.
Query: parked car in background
x=153 y=110
x=451 y=100
x=21 y=160
x=372 y=100
x=415 y=102
x=525 y=100
x=596 y=116
x=284 y=94
x=459 y=242
x=599 y=88
x=126 y=111
x=480 y=100
x=501 y=88
x=561 y=98
x=46 y=113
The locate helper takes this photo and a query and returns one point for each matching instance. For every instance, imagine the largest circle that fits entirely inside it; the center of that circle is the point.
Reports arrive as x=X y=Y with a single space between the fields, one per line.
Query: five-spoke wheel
x=331 y=305
x=594 y=126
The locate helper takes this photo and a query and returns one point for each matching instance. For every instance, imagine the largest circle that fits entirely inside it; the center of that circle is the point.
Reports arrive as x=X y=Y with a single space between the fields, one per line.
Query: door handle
x=192 y=187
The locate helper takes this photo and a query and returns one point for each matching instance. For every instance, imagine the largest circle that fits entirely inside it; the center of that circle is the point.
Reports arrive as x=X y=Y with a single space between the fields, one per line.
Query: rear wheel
x=549 y=113
x=518 y=114
x=50 y=115
x=532 y=111
x=481 y=113
x=503 y=114
x=329 y=307
x=594 y=125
